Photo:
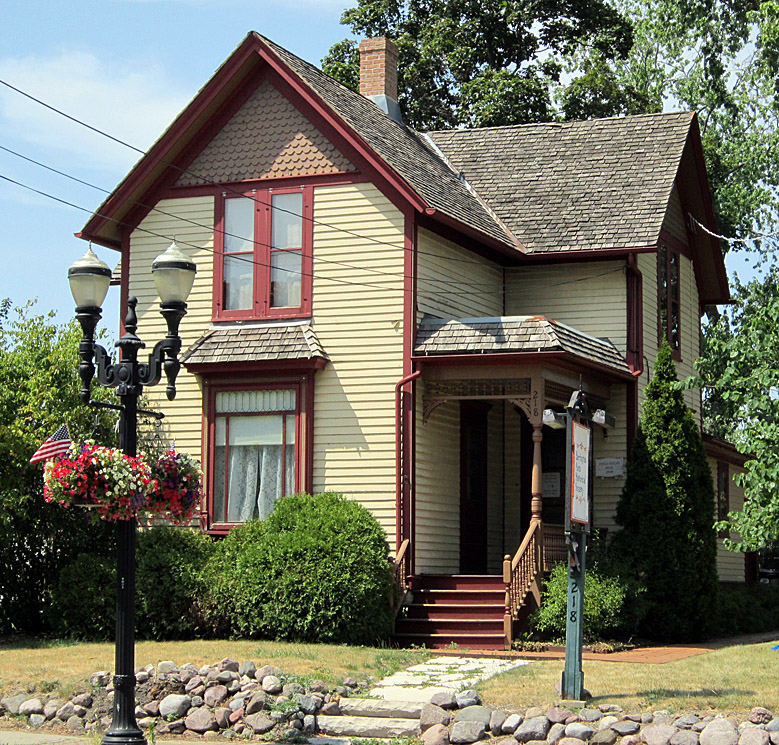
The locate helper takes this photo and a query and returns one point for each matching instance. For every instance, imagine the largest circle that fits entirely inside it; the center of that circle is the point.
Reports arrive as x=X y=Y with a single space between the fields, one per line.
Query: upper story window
x=668 y=303
x=263 y=257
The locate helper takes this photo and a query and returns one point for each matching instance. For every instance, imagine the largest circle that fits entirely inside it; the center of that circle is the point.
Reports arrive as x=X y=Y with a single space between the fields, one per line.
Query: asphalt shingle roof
x=255 y=344
x=409 y=153
x=570 y=186
x=512 y=334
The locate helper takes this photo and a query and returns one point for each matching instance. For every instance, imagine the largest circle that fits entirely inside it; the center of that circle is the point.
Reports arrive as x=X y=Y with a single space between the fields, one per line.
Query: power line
x=200 y=178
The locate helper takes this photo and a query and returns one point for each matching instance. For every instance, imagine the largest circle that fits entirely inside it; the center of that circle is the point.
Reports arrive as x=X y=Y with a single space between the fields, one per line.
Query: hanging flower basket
x=120 y=487
x=176 y=487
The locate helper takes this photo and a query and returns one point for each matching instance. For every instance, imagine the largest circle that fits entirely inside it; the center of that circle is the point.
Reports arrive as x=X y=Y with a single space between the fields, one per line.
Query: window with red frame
x=723 y=494
x=668 y=298
x=263 y=261
x=254 y=454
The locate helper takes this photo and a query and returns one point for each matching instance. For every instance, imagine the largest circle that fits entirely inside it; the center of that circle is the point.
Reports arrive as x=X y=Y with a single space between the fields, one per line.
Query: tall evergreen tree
x=666 y=511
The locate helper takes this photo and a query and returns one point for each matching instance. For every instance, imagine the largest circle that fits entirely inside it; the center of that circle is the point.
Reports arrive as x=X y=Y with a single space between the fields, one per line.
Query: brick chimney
x=379 y=74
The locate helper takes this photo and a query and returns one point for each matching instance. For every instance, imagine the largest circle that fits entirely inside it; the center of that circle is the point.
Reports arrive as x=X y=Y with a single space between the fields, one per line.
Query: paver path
x=441 y=674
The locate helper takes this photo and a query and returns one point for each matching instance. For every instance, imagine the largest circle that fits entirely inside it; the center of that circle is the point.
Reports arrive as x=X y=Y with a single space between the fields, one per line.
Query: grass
x=62 y=667
x=733 y=679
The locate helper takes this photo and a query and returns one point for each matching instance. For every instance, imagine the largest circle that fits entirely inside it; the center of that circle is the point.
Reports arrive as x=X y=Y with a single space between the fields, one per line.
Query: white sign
x=550 y=485
x=609 y=468
x=580 y=473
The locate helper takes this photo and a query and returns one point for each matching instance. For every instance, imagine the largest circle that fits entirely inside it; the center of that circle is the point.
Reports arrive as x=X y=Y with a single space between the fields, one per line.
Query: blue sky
x=127 y=67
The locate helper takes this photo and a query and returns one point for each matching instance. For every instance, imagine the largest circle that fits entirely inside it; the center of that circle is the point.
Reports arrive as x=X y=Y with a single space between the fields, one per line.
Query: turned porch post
x=536 y=480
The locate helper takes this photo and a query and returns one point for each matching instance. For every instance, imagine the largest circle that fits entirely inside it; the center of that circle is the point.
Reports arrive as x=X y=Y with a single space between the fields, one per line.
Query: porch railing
x=555 y=548
x=521 y=575
x=399 y=577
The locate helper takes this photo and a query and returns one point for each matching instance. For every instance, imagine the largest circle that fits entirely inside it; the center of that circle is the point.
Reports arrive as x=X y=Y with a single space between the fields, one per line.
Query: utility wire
x=755 y=236
x=200 y=178
x=267 y=245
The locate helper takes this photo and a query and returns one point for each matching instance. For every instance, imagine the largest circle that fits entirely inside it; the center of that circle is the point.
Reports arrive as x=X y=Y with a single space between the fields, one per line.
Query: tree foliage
x=739 y=373
x=666 y=510
x=717 y=58
x=475 y=63
x=39 y=388
x=479 y=62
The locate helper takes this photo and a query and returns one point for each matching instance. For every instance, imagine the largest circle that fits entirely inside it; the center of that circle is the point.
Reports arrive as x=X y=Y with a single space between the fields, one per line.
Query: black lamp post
x=89 y=278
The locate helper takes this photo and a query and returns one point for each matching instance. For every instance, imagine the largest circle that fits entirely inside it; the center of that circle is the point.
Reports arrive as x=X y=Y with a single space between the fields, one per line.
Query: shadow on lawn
x=661 y=694
x=29 y=642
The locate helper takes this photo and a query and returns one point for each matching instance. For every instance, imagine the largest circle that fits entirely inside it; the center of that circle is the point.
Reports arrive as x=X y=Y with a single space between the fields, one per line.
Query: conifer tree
x=666 y=511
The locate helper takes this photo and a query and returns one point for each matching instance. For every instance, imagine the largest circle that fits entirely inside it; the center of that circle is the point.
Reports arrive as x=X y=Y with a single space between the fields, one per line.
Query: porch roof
x=253 y=344
x=513 y=335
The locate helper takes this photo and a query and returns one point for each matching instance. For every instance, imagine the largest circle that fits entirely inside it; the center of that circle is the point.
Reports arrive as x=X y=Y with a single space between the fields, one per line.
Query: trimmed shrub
x=746 y=609
x=315 y=570
x=84 y=602
x=168 y=582
x=605 y=614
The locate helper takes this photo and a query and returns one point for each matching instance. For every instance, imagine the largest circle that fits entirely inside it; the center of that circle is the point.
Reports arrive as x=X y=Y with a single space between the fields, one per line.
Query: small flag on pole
x=55 y=445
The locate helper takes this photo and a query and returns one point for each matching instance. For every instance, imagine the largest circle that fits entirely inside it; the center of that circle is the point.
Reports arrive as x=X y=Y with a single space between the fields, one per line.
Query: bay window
x=263 y=256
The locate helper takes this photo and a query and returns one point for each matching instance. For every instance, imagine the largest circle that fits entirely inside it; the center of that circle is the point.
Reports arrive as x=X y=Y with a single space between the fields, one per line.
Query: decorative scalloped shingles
x=266 y=138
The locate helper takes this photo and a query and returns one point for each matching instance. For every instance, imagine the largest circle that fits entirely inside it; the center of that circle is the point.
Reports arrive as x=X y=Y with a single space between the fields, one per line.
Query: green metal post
x=573 y=677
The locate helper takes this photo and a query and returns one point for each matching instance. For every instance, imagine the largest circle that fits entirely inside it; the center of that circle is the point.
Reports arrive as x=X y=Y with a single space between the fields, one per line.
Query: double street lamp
x=89 y=278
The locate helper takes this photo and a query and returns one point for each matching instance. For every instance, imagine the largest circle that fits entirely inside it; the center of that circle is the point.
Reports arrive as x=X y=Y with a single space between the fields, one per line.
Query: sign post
x=577 y=525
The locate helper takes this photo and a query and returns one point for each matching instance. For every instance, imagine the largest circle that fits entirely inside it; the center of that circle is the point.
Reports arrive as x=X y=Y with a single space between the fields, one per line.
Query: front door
x=473 y=487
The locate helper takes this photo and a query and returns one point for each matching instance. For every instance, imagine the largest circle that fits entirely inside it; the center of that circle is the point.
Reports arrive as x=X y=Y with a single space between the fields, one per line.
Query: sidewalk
x=19 y=737
x=643 y=655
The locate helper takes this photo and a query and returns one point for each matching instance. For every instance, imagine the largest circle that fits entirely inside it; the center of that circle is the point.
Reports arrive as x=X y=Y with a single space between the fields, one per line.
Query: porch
x=481 y=474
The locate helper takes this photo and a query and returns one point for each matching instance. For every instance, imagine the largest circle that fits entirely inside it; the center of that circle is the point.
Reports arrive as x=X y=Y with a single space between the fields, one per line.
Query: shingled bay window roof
x=255 y=344
x=513 y=334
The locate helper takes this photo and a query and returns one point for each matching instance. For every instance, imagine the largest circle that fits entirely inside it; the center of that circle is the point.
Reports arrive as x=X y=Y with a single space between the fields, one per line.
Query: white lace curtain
x=256 y=479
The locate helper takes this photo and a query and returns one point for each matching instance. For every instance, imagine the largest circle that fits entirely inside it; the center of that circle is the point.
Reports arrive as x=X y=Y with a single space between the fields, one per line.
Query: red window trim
x=304 y=405
x=263 y=194
x=665 y=272
x=635 y=315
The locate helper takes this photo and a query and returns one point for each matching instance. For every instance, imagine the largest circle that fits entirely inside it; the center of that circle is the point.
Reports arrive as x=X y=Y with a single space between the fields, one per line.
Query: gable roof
x=398 y=151
x=570 y=186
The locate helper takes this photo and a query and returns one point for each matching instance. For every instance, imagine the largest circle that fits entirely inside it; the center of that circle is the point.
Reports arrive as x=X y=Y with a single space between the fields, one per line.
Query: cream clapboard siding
x=358 y=317
x=452 y=283
x=591 y=297
x=730 y=564
x=455 y=283
x=184 y=415
x=606 y=491
x=438 y=489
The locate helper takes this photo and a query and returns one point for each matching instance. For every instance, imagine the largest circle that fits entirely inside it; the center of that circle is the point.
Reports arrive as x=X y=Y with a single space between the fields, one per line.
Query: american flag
x=55 y=445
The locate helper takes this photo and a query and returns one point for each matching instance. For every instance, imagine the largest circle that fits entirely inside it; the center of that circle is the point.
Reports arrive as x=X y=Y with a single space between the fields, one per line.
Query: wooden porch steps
x=466 y=610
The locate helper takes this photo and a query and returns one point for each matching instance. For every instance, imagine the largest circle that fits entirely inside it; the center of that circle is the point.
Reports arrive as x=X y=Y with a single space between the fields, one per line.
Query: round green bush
x=168 y=583
x=604 y=605
x=84 y=602
x=315 y=570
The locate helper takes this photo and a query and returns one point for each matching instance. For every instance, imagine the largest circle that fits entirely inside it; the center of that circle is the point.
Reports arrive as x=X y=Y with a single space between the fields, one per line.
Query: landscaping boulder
x=175 y=706
x=536 y=728
x=579 y=730
x=754 y=736
x=11 y=704
x=719 y=731
x=467 y=731
x=31 y=706
x=658 y=734
x=496 y=722
x=432 y=714
x=271 y=684
x=467 y=698
x=259 y=723
x=444 y=699
x=555 y=734
x=200 y=720
x=437 y=734
x=685 y=737
x=510 y=725
x=626 y=727
x=474 y=714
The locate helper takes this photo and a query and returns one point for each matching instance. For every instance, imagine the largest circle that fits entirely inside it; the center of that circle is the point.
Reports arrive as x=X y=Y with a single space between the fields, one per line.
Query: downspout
x=398 y=476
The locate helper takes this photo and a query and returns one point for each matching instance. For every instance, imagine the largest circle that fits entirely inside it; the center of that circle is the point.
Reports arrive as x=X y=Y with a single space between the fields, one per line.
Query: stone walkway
x=439 y=675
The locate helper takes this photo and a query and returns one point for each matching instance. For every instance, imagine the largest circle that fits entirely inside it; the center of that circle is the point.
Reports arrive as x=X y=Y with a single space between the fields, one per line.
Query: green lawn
x=733 y=679
x=63 y=666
